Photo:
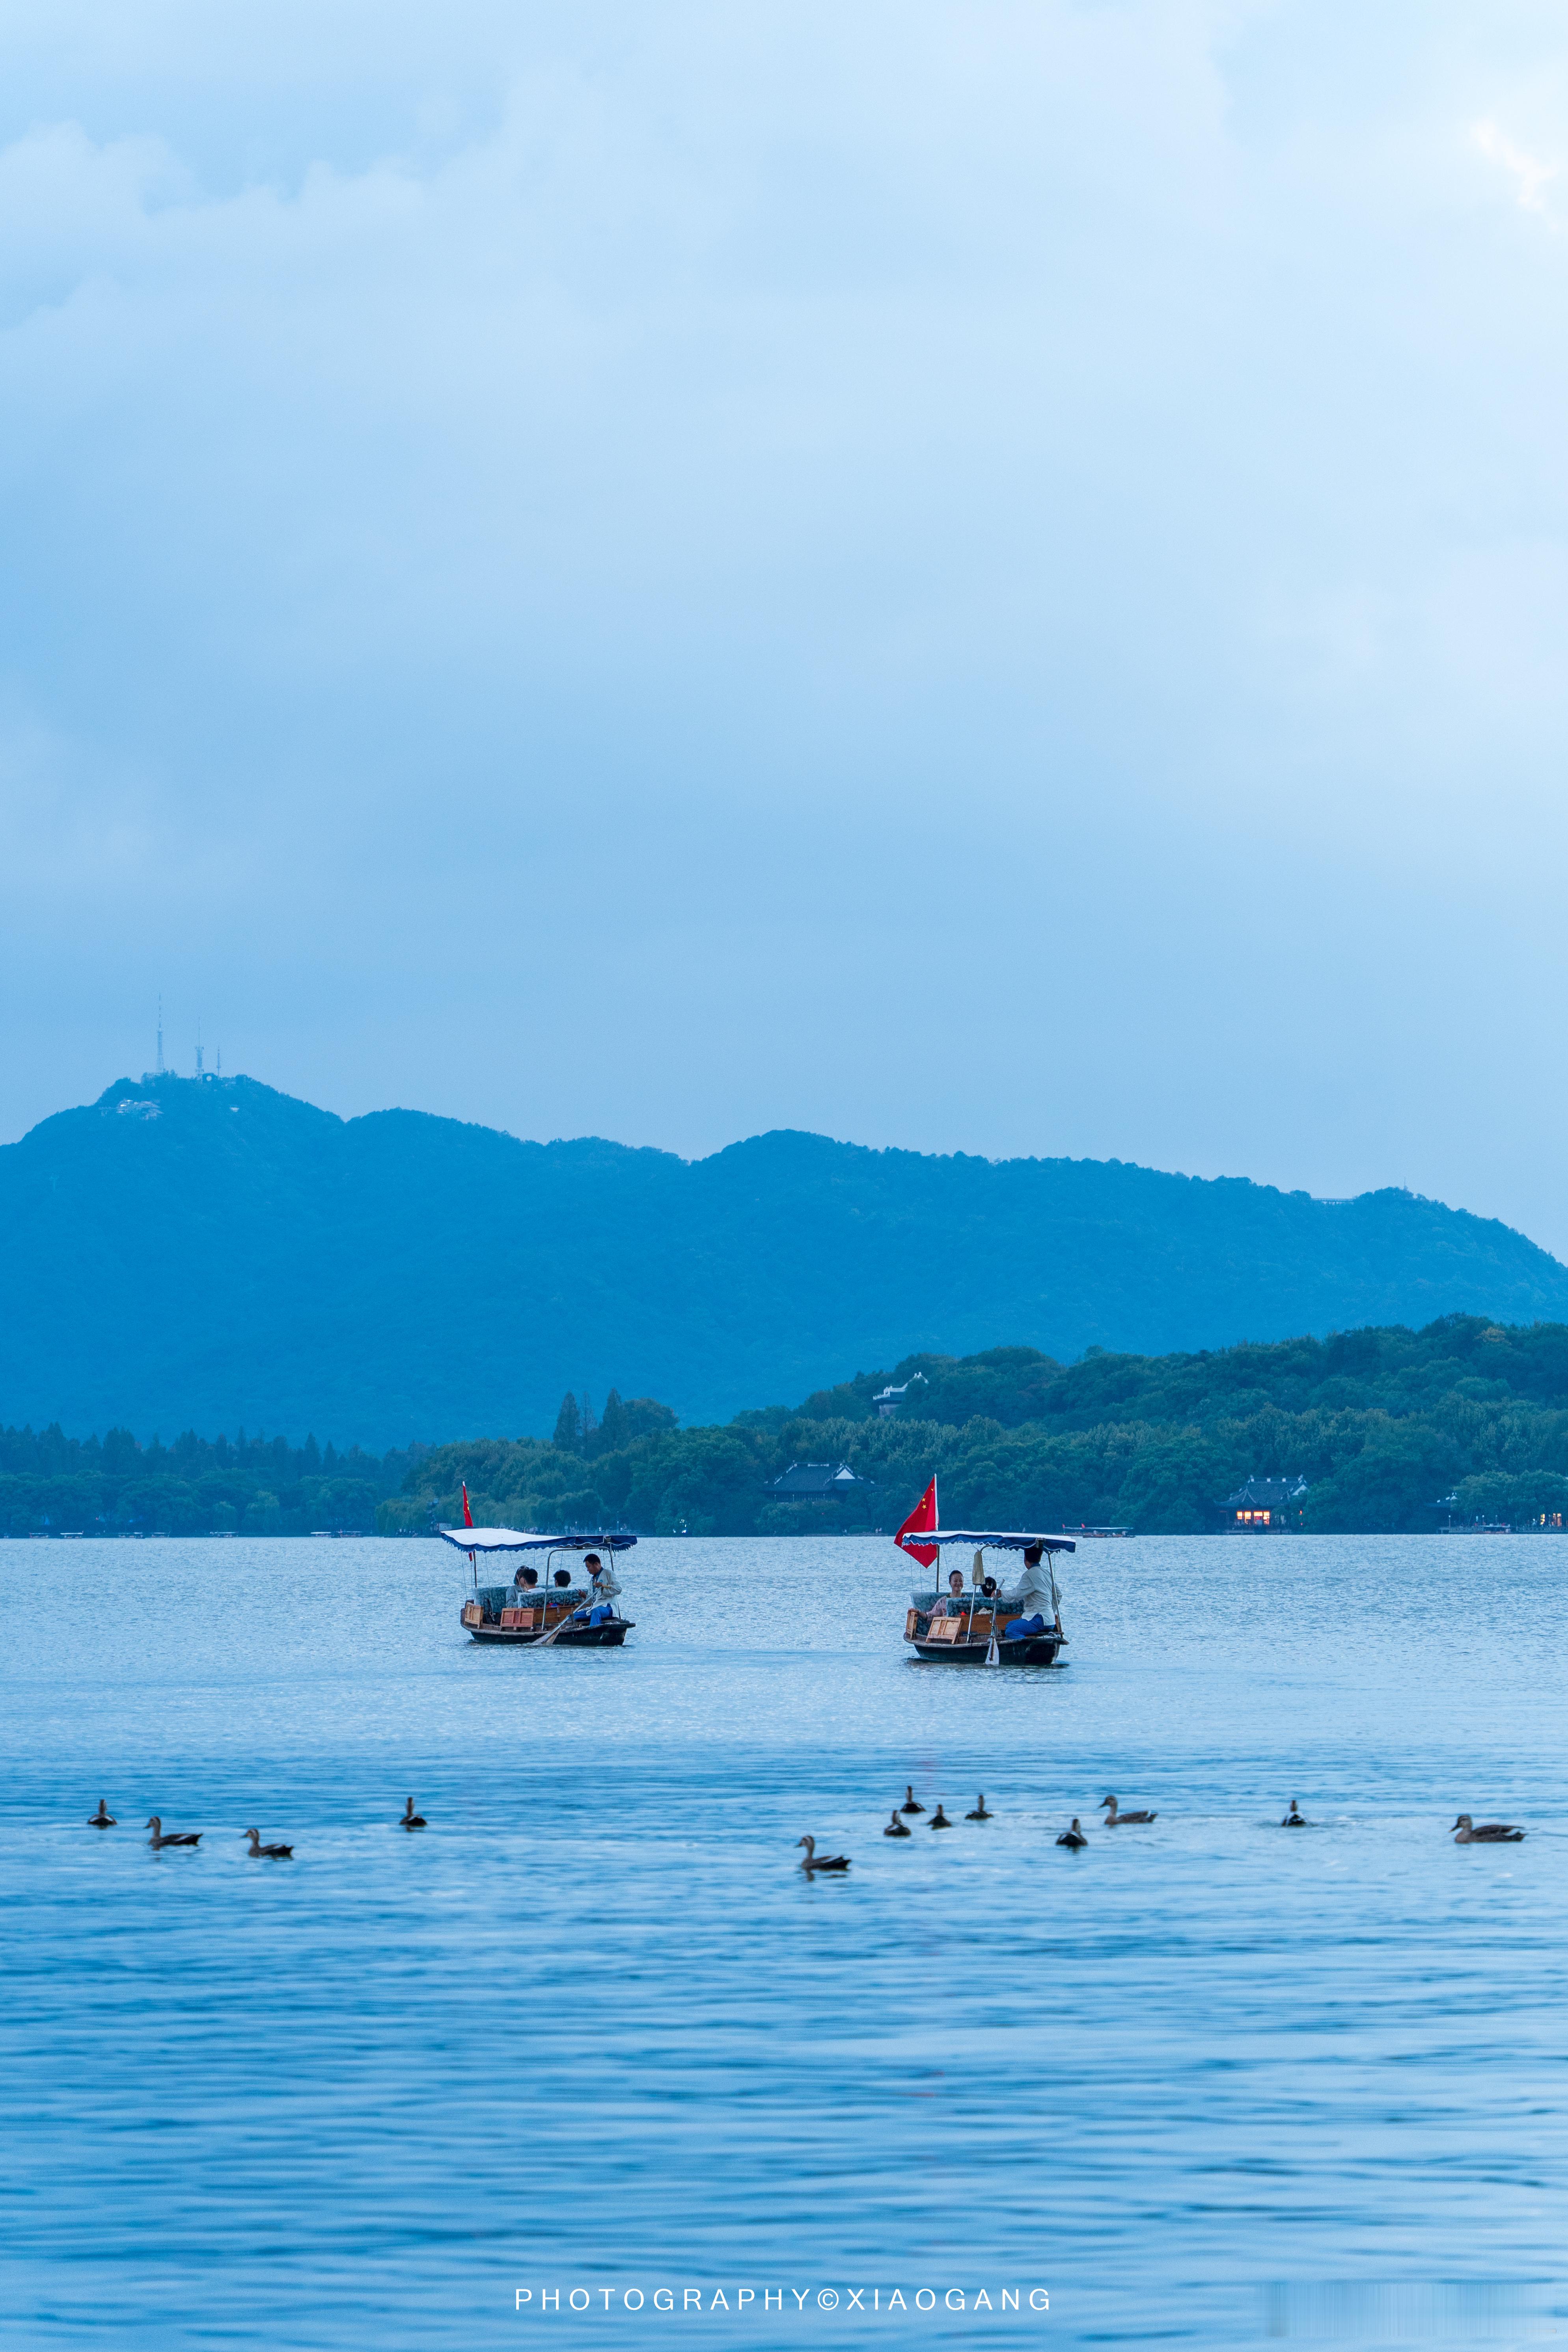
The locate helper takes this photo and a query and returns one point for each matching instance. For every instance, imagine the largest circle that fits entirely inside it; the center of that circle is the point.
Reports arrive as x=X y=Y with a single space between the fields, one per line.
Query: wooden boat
x=973 y=1627
x=548 y=1607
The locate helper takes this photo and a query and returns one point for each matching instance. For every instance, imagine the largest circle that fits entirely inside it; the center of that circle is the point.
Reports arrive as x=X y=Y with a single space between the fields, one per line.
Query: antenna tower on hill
x=160 y=1034
x=198 y=1049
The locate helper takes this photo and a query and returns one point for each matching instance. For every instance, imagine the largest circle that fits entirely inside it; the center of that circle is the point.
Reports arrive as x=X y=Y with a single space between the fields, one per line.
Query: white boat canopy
x=980 y=1541
x=526 y=1539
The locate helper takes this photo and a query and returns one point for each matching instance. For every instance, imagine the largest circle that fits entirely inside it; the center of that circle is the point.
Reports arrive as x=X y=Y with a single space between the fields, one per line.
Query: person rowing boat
x=534 y=1613
x=984 y=1624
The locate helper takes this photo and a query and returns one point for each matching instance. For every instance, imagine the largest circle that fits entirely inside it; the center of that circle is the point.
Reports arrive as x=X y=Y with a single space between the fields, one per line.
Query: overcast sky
x=980 y=576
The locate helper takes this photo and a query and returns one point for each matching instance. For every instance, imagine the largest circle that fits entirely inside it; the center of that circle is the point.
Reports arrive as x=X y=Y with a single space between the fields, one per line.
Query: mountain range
x=215 y=1255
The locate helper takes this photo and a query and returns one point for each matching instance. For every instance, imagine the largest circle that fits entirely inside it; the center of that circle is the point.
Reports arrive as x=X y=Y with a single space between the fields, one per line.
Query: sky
x=981 y=577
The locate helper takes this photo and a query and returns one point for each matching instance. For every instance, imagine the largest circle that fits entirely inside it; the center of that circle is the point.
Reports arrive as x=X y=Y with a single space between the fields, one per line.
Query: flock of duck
x=1466 y=1831
x=104 y=1819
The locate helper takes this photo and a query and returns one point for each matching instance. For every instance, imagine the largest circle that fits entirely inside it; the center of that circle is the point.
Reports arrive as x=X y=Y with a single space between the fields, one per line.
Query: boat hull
x=609 y=1636
x=1034 y=1650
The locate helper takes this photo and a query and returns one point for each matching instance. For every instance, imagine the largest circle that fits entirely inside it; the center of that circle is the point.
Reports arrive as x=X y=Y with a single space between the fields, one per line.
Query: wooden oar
x=545 y=1640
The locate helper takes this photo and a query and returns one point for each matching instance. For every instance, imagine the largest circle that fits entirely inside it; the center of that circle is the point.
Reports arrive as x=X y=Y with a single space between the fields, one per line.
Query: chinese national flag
x=920 y=1521
x=468 y=1515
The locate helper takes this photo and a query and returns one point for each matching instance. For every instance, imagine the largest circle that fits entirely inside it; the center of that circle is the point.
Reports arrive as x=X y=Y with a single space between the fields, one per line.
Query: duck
x=911 y=1803
x=176 y=1837
x=1113 y=1816
x=102 y=1820
x=813 y=1860
x=1073 y=1838
x=980 y=1813
x=1467 y=1833
x=939 y=1820
x=1294 y=1818
x=270 y=1852
x=411 y=1819
x=897 y=1828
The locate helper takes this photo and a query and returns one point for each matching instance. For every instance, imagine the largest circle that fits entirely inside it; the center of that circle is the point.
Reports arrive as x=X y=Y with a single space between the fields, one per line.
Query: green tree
x=612 y=1430
x=1172 y=1485
x=1386 y=1487
x=404 y=1514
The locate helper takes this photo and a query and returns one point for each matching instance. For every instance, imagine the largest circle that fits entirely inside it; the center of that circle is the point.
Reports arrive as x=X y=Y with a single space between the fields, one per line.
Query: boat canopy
x=980 y=1541
x=526 y=1539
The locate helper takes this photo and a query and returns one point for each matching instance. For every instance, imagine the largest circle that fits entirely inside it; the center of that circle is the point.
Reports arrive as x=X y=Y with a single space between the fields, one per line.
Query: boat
x=545 y=1606
x=1018 y=1628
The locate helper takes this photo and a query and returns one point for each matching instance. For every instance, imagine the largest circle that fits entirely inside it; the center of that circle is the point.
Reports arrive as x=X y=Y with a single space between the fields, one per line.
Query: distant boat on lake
x=984 y=1625
x=555 y=1613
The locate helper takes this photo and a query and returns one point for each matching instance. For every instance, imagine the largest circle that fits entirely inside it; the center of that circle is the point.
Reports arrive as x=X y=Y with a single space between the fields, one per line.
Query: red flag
x=921 y=1522
x=468 y=1515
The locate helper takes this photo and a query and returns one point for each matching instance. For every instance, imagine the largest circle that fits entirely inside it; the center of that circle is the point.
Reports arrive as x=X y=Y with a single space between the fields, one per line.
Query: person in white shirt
x=606 y=1584
x=1036 y=1595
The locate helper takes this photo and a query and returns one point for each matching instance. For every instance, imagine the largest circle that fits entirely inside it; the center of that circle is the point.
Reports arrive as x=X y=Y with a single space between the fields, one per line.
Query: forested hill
x=1383 y=1426
x=183 y=1255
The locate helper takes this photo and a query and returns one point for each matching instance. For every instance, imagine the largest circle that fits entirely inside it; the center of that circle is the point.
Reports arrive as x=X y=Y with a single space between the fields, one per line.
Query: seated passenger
x=526 y=1578
x=954 y=1604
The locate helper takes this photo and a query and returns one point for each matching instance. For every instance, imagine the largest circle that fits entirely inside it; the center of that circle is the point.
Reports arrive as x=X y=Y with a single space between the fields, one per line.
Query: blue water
x=1208 y=2082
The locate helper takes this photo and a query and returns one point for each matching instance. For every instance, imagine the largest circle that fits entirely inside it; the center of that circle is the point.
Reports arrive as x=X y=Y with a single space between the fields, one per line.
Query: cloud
x=1531 y=177
x=959 y=574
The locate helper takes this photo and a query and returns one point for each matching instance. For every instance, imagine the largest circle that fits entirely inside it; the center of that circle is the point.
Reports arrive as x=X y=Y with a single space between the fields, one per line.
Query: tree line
x=55 y=1485
x=1385 y=1424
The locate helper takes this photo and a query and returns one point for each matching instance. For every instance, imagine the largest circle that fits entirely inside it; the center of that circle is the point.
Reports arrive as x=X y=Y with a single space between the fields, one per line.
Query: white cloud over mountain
x=986 y=577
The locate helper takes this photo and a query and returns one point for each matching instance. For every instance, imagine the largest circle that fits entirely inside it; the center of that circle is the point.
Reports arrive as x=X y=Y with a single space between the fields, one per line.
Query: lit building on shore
x=1265 y=1506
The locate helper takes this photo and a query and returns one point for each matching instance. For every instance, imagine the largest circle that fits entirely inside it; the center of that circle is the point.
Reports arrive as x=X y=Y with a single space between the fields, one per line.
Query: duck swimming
x=411 y=1819
x=1073 y=1837
x=102 y=1820
x=939 y=1820
x=176 y=1837
x=813 y=1860
x=897 y=1828
x=1293 y=1819
x=1467 y=1832
x=1113 y=1818
x=980 y=1813
x=270 y=1852
x=911 y=1803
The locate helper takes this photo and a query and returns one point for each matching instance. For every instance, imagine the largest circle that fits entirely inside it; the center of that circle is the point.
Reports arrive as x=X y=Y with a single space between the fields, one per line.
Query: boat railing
x=523 y=1608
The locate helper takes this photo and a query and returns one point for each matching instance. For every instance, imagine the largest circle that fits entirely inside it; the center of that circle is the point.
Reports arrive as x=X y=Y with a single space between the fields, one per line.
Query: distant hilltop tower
x=204 y=1076
x=160 y=1034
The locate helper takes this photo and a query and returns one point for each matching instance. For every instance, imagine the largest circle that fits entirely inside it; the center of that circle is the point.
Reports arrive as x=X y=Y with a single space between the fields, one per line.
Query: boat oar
x=556 y=1631
x=993 y=1654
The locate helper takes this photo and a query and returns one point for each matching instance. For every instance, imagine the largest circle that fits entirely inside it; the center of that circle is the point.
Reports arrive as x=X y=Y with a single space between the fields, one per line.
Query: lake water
x=1208 y=2083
